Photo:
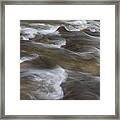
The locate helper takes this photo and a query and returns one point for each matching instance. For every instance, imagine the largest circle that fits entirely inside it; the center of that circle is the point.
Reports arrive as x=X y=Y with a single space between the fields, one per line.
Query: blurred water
x=60 y=60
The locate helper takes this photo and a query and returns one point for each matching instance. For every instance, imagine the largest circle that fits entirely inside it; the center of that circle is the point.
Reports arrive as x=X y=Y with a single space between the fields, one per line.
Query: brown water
x=60 y=60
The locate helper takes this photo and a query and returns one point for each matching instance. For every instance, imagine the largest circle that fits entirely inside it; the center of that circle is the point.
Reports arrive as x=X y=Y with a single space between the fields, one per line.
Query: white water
x=56 y=43
x=33 y=56
x=77 y=25
x=30 y=32
x=51 y=30
x=41 y=83
x=48 y=81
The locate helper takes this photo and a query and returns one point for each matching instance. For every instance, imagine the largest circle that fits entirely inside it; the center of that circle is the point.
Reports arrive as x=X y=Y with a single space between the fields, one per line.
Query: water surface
x=60 y=60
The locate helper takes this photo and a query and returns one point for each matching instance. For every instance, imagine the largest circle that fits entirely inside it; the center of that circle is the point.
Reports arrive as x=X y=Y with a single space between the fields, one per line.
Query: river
x=59 y=59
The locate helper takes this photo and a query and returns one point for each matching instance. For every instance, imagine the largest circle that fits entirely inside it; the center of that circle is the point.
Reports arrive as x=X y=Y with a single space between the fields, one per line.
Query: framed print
x=60 y=59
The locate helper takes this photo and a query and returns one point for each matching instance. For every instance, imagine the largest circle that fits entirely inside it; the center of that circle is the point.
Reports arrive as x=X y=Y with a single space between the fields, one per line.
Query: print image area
x=59 y=59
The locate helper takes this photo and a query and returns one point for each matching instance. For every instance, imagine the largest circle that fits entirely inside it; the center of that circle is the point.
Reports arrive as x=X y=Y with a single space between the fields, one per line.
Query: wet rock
x=62 y=29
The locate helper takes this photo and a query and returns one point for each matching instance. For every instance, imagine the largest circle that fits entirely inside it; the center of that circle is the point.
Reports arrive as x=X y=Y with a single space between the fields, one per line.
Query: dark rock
x=62 y=29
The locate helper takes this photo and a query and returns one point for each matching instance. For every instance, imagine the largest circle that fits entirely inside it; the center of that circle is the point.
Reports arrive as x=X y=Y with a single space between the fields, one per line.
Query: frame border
x=66 y=2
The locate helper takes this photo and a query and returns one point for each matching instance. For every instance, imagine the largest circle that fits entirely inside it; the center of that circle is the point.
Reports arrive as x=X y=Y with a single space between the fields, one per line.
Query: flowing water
x=60 y=60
